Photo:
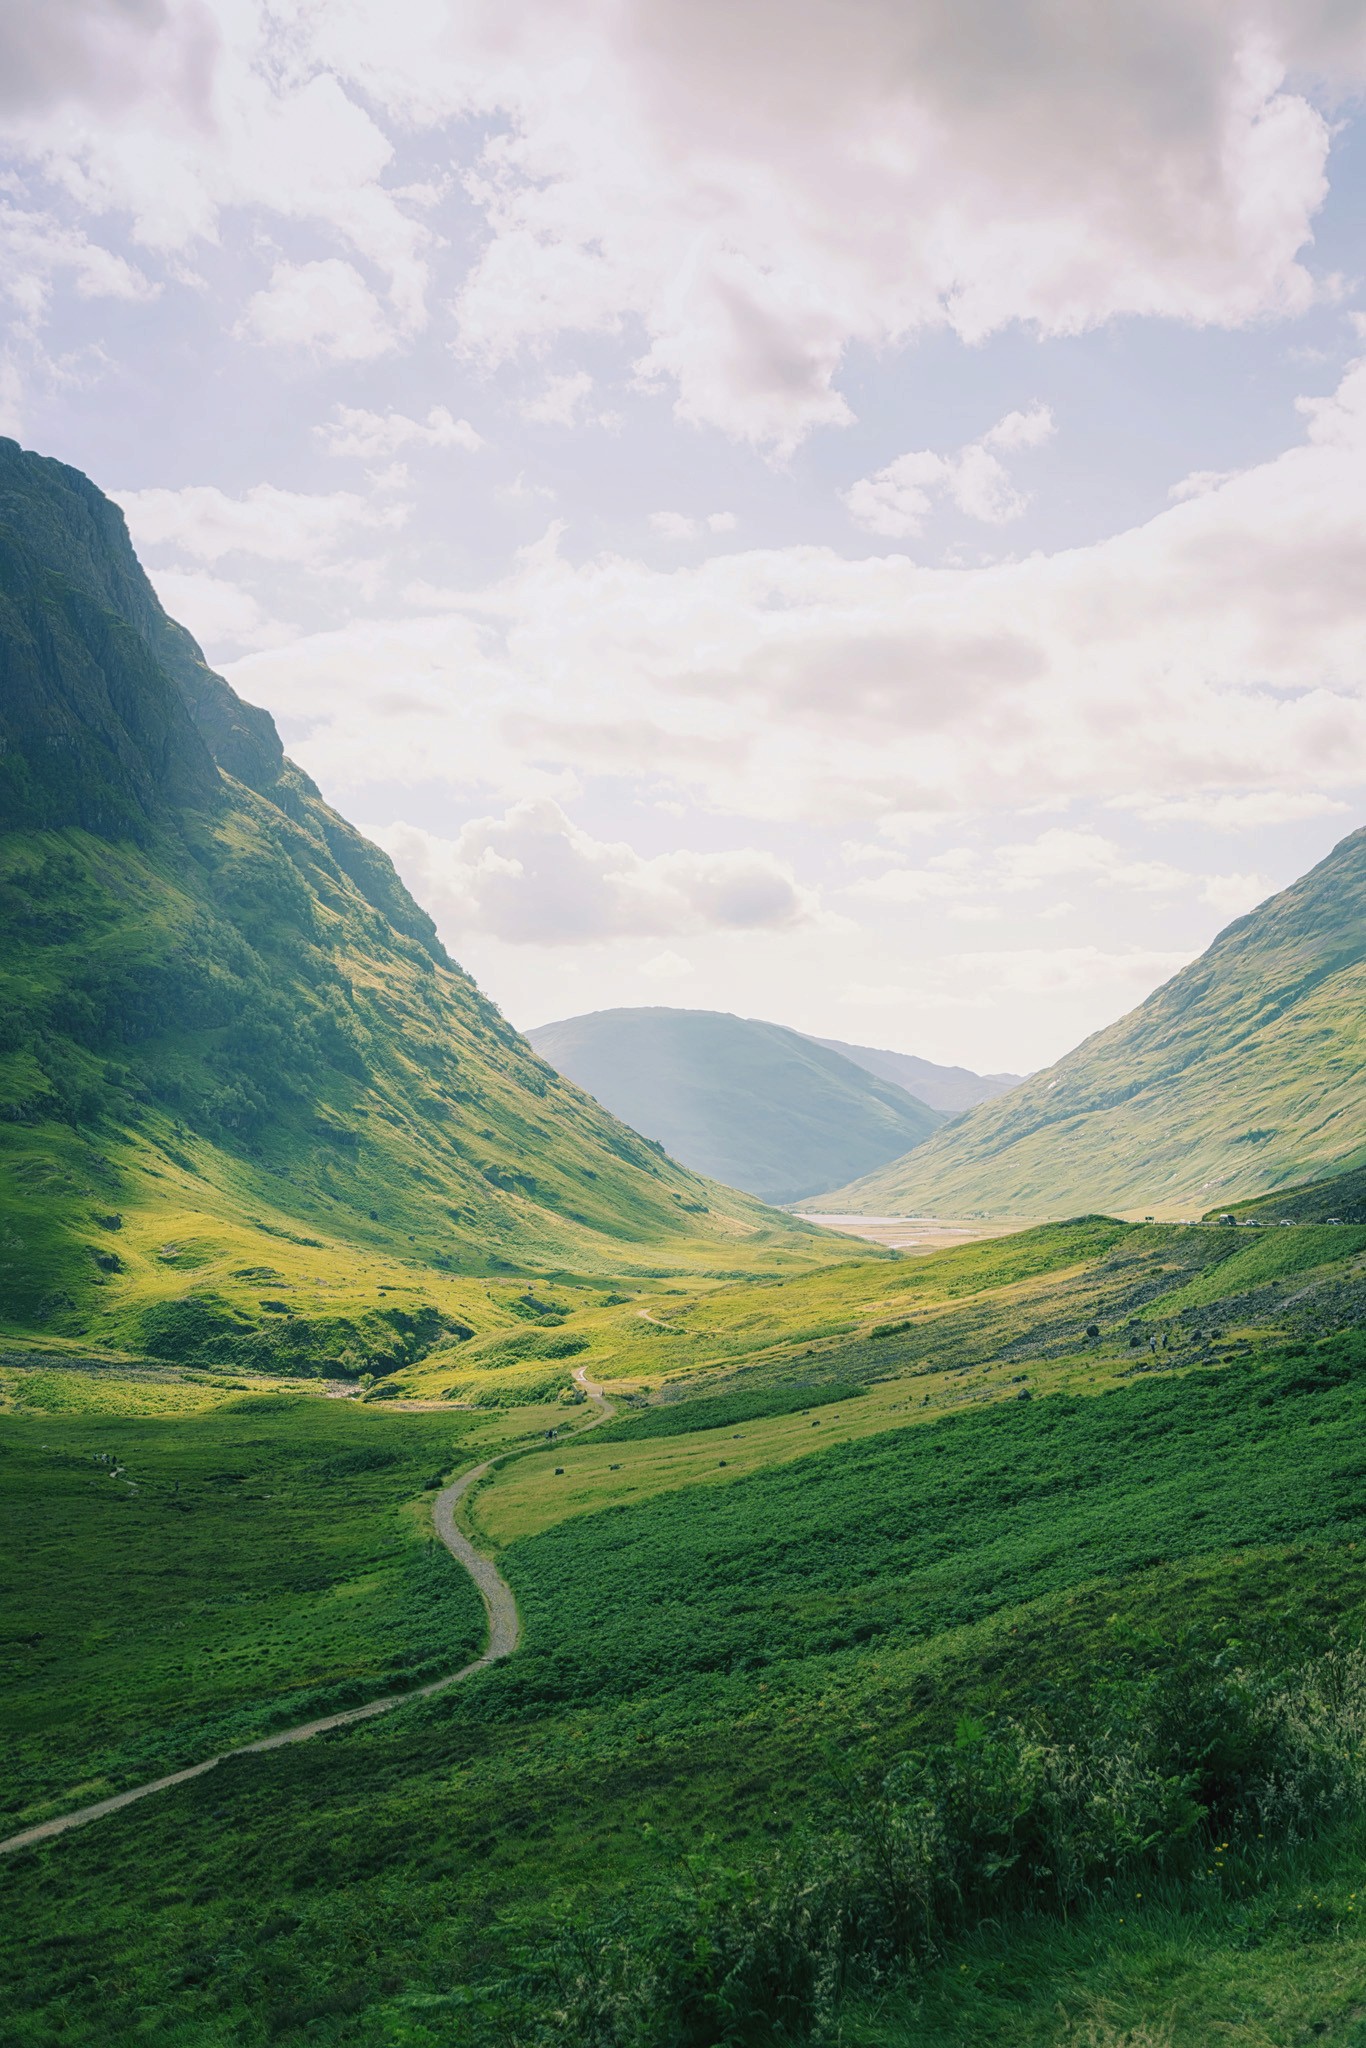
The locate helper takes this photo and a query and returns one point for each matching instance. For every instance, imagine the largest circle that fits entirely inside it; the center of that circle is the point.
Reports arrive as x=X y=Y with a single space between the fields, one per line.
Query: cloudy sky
x=849 y=511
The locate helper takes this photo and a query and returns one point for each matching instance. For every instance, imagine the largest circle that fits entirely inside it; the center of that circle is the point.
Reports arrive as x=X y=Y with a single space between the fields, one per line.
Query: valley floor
x=861 y=1560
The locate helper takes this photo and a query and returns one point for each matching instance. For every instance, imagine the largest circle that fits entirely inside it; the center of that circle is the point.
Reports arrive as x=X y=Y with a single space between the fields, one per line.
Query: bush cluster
x=1185 y=1773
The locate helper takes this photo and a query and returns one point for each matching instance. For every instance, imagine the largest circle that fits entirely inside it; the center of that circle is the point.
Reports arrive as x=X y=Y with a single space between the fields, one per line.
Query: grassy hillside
x=1033 y=1720
x=949 y=1089
x=249 y=1109
x=1239 y=1076
x=751 y=1104
x=1339 y=1199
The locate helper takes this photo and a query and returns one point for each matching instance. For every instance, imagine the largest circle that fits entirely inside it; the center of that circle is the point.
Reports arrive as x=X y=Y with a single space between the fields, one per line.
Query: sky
x=851 y=512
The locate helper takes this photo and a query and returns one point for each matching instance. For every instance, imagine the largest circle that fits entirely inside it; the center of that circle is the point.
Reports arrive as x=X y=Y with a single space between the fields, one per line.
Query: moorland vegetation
x=824 y=1732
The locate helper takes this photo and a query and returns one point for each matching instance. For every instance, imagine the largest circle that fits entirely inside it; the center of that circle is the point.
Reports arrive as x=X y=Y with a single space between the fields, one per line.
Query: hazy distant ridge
x=752 y=1104
x=950 y=1089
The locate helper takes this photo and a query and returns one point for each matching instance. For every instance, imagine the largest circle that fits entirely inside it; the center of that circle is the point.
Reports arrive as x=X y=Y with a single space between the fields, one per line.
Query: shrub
x=1010 y=1816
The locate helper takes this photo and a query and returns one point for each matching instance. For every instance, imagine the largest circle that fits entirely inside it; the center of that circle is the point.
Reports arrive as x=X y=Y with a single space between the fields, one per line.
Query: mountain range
x=999 y=1612
x=1239 y=1076
x=239 y=1071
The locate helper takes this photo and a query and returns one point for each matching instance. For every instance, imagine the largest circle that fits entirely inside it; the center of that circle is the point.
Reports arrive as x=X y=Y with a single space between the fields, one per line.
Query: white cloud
x=897 y=500
x=36 y=250
x=667 y=966
x=11 y=397
x=532 y=877
x=558 y=403
x=53 y=51
x=977 y=981
x=1029 y=429
x=1237 y=813
x=1214 y=651
x=284 y=526
x=221 y=615
x=522 y=490
x=904 y=168
x=977 y=884
x=326 y=307
x=171 y=112
x=1234 y=895
x=1198 y=483
x=1059 y=854
x=372 y=435
x=682 y=526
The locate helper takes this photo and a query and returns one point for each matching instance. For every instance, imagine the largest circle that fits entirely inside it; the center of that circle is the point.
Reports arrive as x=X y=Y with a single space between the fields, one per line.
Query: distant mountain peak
x=750 y=1103
x=950 y=1089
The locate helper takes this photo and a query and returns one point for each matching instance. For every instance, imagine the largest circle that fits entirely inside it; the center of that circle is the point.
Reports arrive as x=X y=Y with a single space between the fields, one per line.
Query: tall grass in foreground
x=1199 y=1773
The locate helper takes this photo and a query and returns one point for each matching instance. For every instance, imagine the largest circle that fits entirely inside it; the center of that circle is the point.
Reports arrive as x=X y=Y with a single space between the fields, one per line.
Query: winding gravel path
x=595 y=1394
x=504 y=1634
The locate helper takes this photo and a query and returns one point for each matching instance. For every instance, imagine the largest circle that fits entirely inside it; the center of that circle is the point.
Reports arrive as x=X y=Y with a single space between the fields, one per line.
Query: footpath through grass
x=695 y=1683
x=173 y=1584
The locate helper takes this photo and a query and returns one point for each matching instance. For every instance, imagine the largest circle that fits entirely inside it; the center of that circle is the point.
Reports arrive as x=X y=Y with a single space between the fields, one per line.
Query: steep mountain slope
x=1240 y=1075
x=948 y=1089
x=752 y=1104
x=229 y=1037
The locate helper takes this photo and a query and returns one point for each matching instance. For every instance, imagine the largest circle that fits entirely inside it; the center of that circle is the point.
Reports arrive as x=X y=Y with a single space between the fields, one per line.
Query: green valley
x=737 y=1679
x=914 y=1649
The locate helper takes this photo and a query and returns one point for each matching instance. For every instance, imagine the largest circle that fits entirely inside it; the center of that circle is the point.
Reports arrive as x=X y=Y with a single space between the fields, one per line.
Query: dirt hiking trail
x=503 y=1637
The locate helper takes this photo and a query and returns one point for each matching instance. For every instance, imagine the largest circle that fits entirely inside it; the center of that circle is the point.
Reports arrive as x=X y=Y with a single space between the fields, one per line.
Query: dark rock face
x=59 y=518
x=110 y=716
x=92 y=731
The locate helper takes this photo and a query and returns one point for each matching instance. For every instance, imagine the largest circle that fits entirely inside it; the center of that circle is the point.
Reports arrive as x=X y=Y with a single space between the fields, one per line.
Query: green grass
x=1281 y=1963
x=254 y=1123
x=685 y=1675
x=173 y=1584
x=701 y=1666
x=724 y=1411
x=1272 y=1255
x=920 y=1531
x=926 y=1337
